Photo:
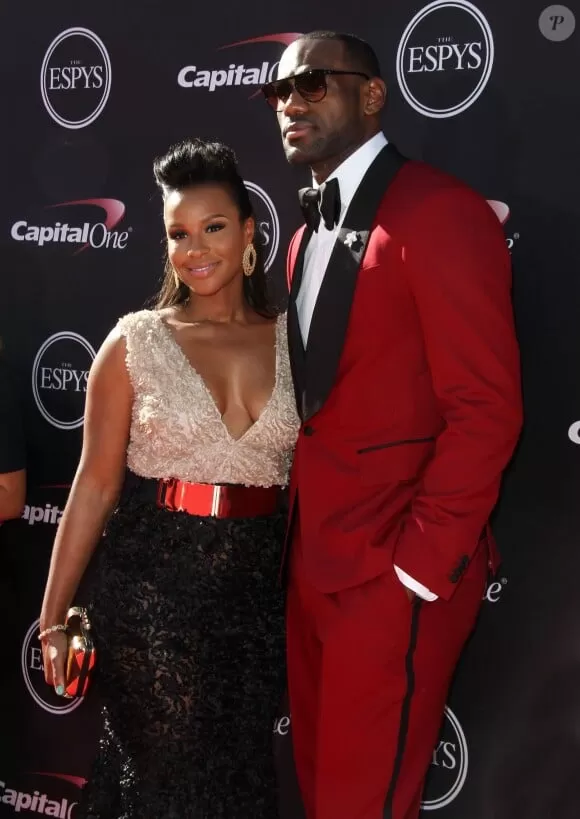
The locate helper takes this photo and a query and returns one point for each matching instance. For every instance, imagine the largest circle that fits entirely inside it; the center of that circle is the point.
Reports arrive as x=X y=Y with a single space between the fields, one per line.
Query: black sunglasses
x=311 y=85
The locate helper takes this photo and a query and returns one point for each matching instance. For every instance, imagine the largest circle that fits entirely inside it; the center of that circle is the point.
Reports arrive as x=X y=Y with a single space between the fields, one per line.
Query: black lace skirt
x=189 y=624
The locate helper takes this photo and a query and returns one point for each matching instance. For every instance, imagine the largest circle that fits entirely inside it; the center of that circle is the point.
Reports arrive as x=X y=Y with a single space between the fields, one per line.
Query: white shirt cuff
x=419 y=589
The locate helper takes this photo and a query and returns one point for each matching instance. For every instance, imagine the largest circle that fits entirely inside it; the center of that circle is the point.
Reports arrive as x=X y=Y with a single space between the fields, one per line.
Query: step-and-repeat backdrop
x=486 y=90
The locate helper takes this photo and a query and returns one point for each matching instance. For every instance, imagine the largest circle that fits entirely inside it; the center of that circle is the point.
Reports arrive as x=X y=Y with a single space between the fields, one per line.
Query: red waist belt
x=220 y=501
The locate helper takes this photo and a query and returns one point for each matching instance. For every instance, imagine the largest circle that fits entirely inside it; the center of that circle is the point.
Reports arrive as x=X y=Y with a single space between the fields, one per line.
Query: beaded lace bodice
x=176 y=427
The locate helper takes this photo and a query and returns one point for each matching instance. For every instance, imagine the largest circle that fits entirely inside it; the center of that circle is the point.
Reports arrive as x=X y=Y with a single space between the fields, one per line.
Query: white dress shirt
x=349 y=175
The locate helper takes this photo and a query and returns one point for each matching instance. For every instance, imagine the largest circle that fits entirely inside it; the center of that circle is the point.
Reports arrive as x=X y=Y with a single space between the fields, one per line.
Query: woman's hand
x=54 y=654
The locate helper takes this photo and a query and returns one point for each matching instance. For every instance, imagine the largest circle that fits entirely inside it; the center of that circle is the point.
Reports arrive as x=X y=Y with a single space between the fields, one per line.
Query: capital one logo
x=502 y=212
x=75 y=78
x=59 y=379
x=36 y=802
x=33 y=674
x=282 y=726
x=557 y=23
x=236 y=73
x=76 y=233
x=449 y=763
x=493 y=590
x=574 y=432
x=42 y=514
x=267 y=222
x=445 y=58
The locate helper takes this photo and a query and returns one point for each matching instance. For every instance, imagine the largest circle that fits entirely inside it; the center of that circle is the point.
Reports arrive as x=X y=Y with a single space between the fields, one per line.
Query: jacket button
x=308 y=430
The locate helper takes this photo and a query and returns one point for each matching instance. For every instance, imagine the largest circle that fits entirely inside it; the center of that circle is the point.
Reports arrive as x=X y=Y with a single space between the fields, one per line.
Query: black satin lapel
x=332 y=310
x=299 y=264
x=295 y=344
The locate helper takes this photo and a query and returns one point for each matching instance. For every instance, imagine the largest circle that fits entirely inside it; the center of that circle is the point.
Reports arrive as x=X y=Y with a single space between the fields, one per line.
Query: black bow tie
x=324 y=200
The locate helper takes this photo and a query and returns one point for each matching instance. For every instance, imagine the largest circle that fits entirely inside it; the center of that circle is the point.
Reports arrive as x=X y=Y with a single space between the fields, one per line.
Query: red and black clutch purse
x=81 y=655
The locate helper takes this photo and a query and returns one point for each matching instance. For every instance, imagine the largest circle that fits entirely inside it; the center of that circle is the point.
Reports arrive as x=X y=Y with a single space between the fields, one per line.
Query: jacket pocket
x=389 y=444
x=395 y=461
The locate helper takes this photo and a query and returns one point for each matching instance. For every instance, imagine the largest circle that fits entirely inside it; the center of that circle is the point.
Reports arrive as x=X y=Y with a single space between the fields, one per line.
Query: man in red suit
x=406 y=371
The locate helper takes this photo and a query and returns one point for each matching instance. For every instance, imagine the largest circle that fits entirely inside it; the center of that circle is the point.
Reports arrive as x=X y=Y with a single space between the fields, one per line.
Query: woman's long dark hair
x=197 y=162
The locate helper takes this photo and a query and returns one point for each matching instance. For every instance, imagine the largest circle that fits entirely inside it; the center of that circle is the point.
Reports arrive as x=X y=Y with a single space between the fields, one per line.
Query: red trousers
x=369 y=672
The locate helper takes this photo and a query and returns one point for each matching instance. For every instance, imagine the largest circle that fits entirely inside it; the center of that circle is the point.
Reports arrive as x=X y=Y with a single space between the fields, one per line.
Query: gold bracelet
x=51 y=630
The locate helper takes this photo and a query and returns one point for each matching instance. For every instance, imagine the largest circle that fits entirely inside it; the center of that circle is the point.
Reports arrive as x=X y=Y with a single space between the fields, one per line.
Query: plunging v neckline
x=210 y=396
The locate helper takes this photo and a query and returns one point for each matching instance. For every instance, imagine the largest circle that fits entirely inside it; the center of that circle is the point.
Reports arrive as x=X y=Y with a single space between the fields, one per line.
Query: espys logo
x=59 y=379
x=33 y=673
x=36 y=802
x=502 y=212
x=95 y=234
x=444 y=74
x=449 y=764
x=75 y=78
x=267 y=222
x=236 y=74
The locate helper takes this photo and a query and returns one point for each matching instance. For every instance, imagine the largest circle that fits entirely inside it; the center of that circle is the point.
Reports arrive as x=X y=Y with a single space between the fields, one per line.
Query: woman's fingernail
x=59 y=690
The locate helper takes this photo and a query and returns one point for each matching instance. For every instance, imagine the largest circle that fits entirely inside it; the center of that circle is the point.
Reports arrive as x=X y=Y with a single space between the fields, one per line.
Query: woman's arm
x=12 y=494
x=12 y=446
x=98 y=480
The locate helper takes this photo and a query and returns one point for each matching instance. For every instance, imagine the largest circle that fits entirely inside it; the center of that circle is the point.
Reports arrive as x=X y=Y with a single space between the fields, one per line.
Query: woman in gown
x=189 y=430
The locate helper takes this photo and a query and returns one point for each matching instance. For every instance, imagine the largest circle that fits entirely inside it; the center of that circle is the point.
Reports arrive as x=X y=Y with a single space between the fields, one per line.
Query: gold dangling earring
x=249 y=259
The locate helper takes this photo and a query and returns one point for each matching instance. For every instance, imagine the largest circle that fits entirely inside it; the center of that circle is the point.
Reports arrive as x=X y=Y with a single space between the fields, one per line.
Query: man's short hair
x=361 y=55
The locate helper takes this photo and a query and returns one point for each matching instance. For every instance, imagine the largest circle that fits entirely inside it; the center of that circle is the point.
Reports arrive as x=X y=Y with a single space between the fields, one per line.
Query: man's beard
x=321 y=150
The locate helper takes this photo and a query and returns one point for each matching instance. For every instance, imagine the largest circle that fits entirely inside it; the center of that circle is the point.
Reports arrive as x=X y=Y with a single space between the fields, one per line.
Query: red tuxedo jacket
x=409 y=390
